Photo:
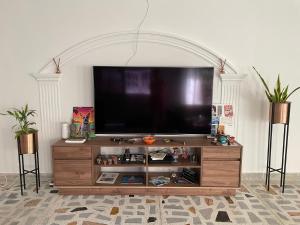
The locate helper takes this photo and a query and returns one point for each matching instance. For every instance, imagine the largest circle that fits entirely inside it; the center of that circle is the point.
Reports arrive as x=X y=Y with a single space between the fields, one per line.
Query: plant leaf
x=263 y=81
x=268 y=96
x=284 y=93
x=276 y=95
x=292 y=92
x=278 y=85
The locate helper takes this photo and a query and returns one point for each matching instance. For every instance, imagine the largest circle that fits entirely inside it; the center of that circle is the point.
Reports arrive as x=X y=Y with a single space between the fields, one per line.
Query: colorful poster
x=83 y=122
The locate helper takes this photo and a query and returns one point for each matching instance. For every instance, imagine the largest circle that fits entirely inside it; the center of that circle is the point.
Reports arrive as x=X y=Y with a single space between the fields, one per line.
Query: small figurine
x=99 y=160
x=175 y=154
x=193 y=157
x=104 y=162
x=114 y=159
x=57 y=65
x=132 y=159
x=174 y=178
x=231 y=140
x=222 y=66
x=109 y=162
x=185 y=154
x=222 y=139
x=127 y=155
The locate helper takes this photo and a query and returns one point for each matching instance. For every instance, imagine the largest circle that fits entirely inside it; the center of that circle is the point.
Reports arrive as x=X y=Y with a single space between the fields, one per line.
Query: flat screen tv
x=152 y=100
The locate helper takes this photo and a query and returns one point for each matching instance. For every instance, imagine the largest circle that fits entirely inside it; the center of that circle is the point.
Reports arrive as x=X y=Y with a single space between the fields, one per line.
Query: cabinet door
x=72 y=172
x=220 y=174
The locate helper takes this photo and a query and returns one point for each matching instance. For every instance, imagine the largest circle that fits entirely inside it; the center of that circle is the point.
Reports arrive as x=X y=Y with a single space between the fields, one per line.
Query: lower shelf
x=119 y=180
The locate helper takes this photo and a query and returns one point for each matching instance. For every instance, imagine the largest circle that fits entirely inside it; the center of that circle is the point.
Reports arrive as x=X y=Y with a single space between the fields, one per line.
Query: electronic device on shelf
x=153 y=100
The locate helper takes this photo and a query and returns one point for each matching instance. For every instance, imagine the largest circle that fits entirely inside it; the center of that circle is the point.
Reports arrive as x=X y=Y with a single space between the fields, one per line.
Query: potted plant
x=279 y=106
x=25 y=134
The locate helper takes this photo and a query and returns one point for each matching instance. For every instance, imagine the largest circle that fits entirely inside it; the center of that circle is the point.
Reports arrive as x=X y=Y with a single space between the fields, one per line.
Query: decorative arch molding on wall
x=49 y=82
x=105 y=40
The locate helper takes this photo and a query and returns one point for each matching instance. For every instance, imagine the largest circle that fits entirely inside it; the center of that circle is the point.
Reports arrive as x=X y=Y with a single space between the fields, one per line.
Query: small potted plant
x=25 y=134
x=279 y=106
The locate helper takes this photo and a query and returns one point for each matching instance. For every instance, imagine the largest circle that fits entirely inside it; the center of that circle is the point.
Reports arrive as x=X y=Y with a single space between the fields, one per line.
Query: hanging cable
x=3 y=185
x=138 y=33
x=6 y=185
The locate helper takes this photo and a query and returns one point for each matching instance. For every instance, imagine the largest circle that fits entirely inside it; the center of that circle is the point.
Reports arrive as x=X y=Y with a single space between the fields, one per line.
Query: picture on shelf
x=228 y=111
x=83 y=123
x=222 y=119
x=107 y=178
x=215 y=120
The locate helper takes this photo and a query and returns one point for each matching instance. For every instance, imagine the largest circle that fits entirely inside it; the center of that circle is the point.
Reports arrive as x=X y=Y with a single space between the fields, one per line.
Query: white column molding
x=50 y=114
x=230 y=94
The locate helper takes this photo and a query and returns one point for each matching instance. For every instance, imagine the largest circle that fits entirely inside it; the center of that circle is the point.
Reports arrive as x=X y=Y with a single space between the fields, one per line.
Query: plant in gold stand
x=24 y=132
x=279 y=106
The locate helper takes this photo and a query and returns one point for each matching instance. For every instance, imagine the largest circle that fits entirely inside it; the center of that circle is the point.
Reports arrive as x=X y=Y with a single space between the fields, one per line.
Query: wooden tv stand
x=219 y=168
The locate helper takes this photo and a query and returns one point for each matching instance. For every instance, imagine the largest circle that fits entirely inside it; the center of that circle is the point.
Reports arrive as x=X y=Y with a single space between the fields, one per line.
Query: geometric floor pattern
x=251 y=205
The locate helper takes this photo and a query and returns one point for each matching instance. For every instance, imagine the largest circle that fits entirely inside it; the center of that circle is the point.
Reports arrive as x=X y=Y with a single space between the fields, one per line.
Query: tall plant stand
x=279 y=114
x=23 y=171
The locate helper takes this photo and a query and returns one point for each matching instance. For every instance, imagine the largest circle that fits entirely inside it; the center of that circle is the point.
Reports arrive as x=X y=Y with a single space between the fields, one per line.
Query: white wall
x=261 y=33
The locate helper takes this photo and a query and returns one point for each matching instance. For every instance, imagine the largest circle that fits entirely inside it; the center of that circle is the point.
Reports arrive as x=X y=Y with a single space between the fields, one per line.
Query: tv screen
x=152 y=100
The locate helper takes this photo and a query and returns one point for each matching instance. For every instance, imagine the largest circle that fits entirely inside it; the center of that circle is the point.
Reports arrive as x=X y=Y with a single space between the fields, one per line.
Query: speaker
x=65 y=131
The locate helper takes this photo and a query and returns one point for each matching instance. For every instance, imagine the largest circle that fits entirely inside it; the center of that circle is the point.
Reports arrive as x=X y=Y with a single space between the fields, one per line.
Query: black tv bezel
x=152 y=134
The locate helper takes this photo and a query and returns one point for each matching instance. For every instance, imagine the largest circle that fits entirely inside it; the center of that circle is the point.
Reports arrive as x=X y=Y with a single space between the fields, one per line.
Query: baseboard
x=274 y=177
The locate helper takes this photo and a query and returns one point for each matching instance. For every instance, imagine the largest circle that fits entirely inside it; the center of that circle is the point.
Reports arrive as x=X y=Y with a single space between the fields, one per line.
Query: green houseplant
x=280 y=94
x=279 y=106
x=25 y=134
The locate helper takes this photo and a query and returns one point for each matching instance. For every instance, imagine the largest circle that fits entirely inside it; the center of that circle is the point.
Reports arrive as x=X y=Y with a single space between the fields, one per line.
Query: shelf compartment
x=118 y=182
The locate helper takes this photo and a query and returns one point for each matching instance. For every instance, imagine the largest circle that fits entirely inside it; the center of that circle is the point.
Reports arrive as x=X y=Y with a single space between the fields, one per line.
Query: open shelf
x=118 y=182
x=123 y=165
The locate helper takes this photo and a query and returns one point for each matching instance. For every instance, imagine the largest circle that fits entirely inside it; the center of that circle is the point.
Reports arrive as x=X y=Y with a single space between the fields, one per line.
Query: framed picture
x=83 y=123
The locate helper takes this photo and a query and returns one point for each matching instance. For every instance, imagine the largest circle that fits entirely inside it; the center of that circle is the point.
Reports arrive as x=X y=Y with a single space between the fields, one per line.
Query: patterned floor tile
x=253 y=204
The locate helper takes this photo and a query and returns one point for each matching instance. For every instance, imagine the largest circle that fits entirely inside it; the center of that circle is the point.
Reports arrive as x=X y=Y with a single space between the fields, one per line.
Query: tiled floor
x=252 y=205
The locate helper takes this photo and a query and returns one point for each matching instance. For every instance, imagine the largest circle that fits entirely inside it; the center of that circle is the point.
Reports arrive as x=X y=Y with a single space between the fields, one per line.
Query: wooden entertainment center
x=218 y=167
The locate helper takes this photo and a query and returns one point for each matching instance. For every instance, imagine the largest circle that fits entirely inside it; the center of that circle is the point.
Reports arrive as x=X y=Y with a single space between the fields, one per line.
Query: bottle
x=65 y=131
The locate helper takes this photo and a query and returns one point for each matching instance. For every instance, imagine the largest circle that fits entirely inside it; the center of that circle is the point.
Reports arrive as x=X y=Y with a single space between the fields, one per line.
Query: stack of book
x=75 y=140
